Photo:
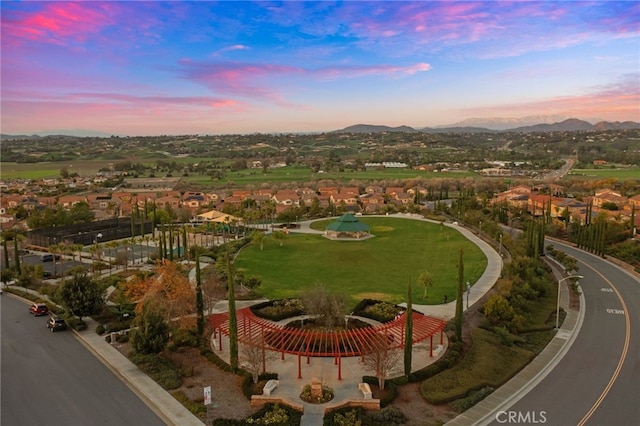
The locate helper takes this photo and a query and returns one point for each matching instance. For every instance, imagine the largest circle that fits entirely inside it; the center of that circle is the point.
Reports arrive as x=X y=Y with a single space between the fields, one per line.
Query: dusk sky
x=151 y=68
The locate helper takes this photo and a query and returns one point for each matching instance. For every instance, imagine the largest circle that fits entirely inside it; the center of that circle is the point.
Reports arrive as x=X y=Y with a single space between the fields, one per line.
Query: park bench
x=270 y=386
x=438 y=350
x=365 y=389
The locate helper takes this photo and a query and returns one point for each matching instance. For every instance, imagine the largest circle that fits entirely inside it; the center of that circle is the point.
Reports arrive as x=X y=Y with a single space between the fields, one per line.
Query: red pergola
x=256 y=331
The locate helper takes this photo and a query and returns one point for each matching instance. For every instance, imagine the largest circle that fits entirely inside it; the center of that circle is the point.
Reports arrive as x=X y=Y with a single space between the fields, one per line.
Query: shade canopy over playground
x=216 y=216
x=347 y=226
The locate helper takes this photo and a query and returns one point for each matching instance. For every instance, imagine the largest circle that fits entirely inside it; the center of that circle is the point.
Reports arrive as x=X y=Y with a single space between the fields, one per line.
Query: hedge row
x=390 y=386
x=295 y=417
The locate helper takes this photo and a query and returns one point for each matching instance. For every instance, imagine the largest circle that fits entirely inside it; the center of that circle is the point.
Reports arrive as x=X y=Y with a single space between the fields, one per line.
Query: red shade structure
x=256 y=331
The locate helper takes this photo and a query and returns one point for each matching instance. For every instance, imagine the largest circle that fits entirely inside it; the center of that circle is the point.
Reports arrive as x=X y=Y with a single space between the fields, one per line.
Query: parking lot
x=51 y=269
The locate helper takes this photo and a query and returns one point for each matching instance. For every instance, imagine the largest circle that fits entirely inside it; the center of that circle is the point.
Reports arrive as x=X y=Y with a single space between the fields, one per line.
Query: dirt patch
x=226 y=388
x=418 y=411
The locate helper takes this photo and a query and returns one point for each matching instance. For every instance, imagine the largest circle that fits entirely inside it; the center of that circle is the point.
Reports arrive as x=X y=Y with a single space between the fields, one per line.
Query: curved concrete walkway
x=478 y=289
x=352 y=370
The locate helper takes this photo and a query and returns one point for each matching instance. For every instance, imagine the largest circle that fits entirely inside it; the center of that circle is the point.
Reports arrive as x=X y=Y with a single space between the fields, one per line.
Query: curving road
x=52 y=379
x=597 y=382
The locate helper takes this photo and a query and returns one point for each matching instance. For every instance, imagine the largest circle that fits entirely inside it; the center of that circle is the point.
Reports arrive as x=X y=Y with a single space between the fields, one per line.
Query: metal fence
x=88 y=233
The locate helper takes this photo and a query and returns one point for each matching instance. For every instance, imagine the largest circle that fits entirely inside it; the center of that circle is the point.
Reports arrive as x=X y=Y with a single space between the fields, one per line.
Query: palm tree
x=56 y=250
x=76 y=248
x=111 y=244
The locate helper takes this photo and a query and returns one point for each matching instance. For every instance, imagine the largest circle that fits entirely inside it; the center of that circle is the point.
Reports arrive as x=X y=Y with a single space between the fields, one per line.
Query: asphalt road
x=597 y=382
x=52 y=379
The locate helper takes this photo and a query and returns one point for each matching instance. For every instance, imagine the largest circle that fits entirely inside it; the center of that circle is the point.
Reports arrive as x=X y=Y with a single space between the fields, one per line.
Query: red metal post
x=431 y=347
x=299 y=367
x=264 y=355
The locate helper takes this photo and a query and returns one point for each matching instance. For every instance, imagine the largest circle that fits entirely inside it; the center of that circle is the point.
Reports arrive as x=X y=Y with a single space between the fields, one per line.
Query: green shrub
x=114 y=326
x=504 y=336
x=122 y=338
x=273 y=414
x=347 y=416
x=100 y=329
x=448 y=360
x=216 y=360
x=390 y=387
x=471 y=399
x=188 y=338
x=377 y=310
x=159 y=369
x=196 y=408
x=389 y=416
x=277 y=310
x=76 y=323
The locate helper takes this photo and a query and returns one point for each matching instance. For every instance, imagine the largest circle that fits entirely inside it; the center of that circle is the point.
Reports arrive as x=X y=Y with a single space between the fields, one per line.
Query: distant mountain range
x=569 y=125
x=75 y=133
x=471 y=125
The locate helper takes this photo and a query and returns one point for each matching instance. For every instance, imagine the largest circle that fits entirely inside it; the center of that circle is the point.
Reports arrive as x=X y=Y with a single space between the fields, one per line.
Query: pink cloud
x=619 y=101
x=235 y=78
x=119 y=113
x=245 y=79
x=56 y=22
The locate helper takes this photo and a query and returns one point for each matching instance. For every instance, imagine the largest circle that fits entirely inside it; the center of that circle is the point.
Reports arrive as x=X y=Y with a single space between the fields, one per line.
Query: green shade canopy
x=347 y=223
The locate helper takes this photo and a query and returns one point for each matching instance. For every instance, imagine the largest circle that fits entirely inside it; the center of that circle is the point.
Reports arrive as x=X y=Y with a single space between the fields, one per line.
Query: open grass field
x=621 y=174
x=304 y=175
x=378 y=268
x=49 y=169
x=242 y=178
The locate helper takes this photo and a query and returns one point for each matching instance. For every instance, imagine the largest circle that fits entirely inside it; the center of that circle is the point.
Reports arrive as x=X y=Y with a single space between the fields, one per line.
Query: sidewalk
x=352 y=370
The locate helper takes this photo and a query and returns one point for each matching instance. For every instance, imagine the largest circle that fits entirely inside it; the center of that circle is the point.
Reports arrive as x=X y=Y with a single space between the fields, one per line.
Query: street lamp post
x=558 y=302
x=500 y=254
x=468 y=292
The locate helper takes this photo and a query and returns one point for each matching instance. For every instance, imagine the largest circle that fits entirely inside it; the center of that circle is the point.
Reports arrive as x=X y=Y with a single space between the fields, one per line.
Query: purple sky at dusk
x=150 y=68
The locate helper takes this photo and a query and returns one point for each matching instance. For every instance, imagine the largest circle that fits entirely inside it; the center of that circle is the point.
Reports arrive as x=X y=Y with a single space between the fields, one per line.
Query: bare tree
x=329 y=309
x=254 y=356
x=381 y=358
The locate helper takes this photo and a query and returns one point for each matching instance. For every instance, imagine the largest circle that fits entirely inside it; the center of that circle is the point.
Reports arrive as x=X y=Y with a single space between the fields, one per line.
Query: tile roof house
x=286 y=197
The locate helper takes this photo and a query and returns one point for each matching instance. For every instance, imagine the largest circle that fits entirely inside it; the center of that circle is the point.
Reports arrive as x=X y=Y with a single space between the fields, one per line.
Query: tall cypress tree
x=16 y=255
x=408 y=333
x=199 y=299
x=459 y=308
x=184 y=242
x=6 y=252
x=171 y=242
x=233 y=320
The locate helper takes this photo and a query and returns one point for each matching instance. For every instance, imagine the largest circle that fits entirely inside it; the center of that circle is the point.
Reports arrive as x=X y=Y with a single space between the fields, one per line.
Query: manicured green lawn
x=378 y=268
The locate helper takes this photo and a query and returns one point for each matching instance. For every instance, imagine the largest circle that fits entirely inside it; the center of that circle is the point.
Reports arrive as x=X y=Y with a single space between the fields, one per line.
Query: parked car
x=56 y=323
x=38 y=309
x=50 y=257
x=46 y=274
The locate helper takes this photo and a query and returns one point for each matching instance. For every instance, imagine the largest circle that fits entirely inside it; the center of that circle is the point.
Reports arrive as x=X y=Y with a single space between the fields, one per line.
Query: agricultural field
x=296 y=174
x=379 y=268
x=48 y=170
x=617 y=173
